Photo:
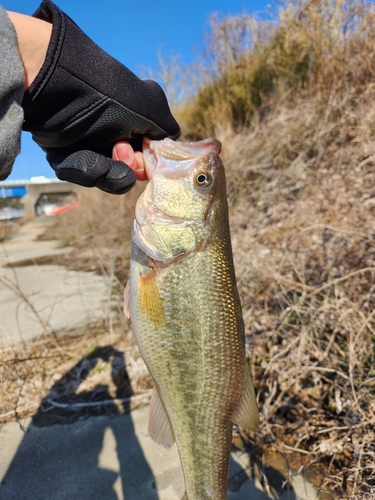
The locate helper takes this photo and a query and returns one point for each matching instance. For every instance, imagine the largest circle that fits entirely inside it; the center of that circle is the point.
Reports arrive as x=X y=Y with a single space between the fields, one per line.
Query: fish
x=185 y=310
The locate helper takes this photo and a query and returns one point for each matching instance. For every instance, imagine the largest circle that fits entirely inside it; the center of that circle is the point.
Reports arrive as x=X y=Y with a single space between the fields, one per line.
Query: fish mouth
x=171 y=156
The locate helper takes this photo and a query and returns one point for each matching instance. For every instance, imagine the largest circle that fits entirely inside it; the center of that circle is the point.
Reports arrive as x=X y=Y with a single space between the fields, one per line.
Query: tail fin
x=185 y=497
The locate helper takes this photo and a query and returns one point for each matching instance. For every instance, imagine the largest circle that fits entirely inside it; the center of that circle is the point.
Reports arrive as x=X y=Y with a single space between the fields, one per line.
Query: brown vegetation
x=293 y=104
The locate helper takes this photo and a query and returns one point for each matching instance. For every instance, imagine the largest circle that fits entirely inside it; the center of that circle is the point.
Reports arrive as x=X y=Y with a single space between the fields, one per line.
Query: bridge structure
x=31 y=191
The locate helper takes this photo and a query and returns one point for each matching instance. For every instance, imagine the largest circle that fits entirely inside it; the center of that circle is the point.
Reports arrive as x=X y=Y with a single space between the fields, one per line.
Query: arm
x=33 y=40
x=11 y=92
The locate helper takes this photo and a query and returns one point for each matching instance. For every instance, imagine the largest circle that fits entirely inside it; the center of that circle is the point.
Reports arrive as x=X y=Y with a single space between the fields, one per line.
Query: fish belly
x=188 y=325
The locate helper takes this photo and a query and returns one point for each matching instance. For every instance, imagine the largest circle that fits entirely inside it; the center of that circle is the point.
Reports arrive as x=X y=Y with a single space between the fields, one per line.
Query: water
x=9 y=215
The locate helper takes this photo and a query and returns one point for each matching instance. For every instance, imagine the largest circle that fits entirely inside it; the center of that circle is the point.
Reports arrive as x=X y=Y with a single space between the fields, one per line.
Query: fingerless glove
x=83 y=101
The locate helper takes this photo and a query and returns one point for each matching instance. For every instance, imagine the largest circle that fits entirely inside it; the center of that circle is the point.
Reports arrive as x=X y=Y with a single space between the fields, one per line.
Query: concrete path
x=35 y=298
x=112 y=458
x=23 y=244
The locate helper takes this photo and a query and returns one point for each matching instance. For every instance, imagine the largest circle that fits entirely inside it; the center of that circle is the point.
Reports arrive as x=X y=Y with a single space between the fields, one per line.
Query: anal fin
x=247 y=416
x=159 y=426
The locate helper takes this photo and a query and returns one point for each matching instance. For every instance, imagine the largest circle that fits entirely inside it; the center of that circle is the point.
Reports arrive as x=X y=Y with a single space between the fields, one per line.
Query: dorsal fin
x=247 y=416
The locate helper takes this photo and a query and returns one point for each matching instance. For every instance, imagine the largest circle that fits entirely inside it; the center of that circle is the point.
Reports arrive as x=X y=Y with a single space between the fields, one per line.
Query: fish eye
x=204 y=179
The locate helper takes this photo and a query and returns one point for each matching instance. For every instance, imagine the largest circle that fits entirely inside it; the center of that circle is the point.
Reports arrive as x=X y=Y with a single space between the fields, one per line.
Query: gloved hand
x=83 y=101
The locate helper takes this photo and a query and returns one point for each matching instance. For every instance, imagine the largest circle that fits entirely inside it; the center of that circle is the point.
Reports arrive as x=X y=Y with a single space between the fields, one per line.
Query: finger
x=91 y=169
x=140 y=170
x=122 y=151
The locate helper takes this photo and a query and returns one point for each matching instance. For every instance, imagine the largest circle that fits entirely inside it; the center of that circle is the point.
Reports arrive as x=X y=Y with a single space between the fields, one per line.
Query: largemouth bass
x=186 y=313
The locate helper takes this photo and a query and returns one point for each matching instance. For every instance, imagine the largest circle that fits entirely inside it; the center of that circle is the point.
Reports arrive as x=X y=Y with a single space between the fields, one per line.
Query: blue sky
x=134 y=33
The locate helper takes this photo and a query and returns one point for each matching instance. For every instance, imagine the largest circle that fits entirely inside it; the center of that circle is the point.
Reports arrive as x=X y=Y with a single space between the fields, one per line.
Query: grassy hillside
x=292 y=101
x=251 y=67
x=298 y=135
x=295 y=113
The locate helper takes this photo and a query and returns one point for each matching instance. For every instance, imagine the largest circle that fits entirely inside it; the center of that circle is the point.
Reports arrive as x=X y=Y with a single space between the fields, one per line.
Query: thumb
x=90 y=169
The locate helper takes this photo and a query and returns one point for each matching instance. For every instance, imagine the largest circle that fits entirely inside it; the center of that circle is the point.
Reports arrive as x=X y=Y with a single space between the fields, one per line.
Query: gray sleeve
x=12 y=81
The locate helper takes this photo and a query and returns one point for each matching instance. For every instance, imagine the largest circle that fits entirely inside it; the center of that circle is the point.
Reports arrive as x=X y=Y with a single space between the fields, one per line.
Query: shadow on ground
x=100 y=451
x=68 y=461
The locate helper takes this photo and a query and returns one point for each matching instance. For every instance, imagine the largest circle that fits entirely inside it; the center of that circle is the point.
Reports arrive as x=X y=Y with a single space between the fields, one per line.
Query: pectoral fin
x=247 y=416
x=159 y=426
x=150 y=303
x=127 y=300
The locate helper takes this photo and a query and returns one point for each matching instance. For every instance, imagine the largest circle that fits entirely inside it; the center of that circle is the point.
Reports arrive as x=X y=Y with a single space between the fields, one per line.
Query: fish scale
x=186 y=315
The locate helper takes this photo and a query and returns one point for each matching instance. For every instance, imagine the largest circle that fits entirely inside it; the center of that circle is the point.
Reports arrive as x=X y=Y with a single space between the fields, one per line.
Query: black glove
x=83 y=101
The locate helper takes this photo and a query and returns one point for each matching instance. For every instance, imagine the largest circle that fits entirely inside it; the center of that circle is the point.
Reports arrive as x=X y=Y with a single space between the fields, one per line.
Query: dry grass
x=310 y=47
x=300 y=171
x=293 y=107
x=301 y=194
x=83 y=373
